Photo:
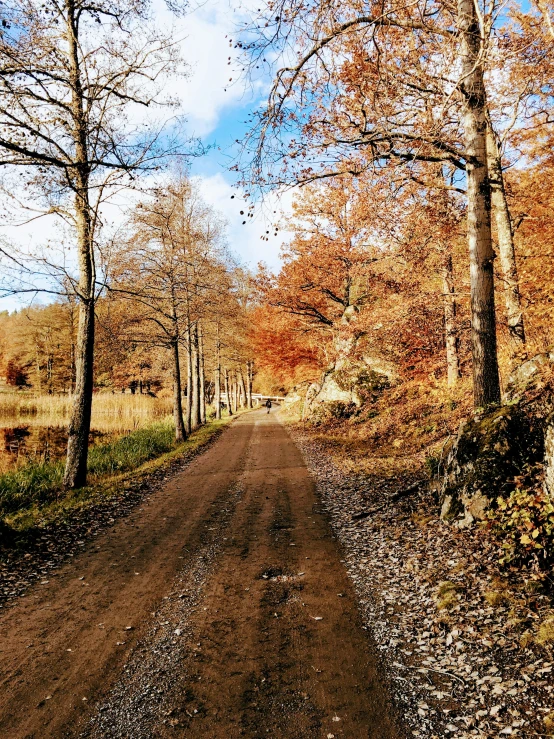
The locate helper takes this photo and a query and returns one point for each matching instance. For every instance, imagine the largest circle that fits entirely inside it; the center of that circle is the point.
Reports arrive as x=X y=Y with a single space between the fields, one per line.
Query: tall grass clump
x=130 y=451
x=37 y=483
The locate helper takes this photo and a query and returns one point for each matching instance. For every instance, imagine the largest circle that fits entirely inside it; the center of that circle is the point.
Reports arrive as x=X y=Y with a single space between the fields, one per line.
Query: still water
x=34 y=442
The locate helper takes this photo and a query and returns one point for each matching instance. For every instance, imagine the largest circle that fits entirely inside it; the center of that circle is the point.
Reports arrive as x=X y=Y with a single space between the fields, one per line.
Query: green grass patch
x=34 y=493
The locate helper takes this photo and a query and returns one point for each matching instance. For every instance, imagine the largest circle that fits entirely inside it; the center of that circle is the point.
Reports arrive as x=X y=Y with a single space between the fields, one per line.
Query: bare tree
x=72 y=76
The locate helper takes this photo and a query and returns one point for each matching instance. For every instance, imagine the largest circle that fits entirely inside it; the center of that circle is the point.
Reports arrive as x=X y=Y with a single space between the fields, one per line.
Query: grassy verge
x=32 y=495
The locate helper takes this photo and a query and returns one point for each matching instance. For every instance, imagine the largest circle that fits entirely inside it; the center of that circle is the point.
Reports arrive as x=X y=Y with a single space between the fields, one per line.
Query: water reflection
x=30 y=442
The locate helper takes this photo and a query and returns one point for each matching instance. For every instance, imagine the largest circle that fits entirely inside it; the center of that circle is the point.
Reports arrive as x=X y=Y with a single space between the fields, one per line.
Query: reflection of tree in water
x=51 y=442
x=15 y=439
x=45 y=442
x=40 y=443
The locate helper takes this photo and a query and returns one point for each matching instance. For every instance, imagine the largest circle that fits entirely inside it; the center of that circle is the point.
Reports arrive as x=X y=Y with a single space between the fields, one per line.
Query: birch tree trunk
x=217 y=377
x=180 y=432
x=451 y=334
x=486 y=381
x=512 y=297
x=228 y=392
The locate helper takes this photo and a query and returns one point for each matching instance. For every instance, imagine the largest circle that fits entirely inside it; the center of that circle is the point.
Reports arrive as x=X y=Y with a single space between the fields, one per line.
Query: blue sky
x=215 y=110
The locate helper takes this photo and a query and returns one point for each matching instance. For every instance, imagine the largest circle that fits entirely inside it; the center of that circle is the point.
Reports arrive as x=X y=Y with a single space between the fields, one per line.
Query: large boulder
x=482 y=461
x=343 y=388
x=499 y=444
x=533 y=373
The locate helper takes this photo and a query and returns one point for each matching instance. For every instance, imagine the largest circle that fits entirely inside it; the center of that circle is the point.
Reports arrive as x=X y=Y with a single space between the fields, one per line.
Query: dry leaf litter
x=457 y=639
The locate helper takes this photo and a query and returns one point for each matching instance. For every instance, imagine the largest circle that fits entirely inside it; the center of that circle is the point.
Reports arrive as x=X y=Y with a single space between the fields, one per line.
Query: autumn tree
x=72 y=73
x=370 y=84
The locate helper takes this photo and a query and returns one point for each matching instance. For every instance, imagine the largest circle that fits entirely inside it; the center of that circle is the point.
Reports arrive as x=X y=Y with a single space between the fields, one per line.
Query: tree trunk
x=188 y=420
x=228 y=392
x=486 y=380
x=451 y=334
x=202 y=382
x=512 y=298
x=75 y=474
x=195 y=405
x=249 y=380
x=180 y=432
x=217 y=378
x=235 y=392
x=242 y=388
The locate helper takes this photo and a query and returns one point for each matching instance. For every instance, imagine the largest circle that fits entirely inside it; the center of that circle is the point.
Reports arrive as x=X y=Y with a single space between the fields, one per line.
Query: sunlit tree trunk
x=188 y=419
x=506 y=249
x=228 y=392
x=180 y=432
x=195 y=395
x=250 y=372
x=75 y=474
x=243 y=401
x=234 y=391
x=486 y=380
x=451 y=333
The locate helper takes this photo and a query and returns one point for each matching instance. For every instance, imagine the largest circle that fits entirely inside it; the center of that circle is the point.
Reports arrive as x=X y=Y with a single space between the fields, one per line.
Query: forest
x=408 y=323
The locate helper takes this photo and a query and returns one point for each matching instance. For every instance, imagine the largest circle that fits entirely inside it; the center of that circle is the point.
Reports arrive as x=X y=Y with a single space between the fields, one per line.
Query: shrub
x=523 y=522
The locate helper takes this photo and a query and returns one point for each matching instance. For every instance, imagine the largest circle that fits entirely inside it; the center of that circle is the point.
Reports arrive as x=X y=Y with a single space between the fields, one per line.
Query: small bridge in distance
x=256 y=398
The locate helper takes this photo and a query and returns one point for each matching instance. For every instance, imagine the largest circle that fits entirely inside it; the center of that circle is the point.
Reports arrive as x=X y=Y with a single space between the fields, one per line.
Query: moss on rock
x=489 y=451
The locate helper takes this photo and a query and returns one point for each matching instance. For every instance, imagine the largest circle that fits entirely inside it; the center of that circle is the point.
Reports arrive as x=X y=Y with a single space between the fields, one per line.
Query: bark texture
x=506 y=249
x=250 y=378
x=486 y=381
x=242 y=388
x=180 y=431
x=217 y=379
x=188 y=418
x=228 y=392
x=75 y=474
x=202 y=376
x=195 y=400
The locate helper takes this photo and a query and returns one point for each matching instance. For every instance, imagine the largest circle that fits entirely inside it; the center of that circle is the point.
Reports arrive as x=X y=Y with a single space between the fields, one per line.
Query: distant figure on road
x=268 y=405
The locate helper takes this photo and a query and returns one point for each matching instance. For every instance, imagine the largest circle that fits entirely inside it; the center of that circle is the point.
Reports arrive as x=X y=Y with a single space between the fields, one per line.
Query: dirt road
x=217 y=609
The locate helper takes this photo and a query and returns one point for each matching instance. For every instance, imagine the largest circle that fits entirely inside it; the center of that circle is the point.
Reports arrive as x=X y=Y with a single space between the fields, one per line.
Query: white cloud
x=245 y=239
x=208 y=90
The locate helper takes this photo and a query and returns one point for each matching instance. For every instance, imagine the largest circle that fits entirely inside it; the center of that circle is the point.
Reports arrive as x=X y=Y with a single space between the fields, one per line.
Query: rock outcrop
x=345 y=387
x=497 y=445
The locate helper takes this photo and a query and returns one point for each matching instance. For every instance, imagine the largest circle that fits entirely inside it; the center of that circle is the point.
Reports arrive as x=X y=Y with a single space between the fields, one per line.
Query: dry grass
x=109 y=412
x=446 y=596
x=545 y=633
x=496 y=598
x=402 y=430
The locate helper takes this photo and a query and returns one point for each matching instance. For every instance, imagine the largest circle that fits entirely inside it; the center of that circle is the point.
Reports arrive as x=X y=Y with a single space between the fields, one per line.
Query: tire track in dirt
x=249 y=626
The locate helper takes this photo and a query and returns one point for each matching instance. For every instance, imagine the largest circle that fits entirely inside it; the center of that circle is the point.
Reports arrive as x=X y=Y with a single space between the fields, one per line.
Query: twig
x=391 y=499
x=431 y=669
